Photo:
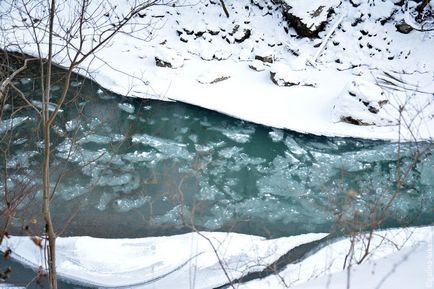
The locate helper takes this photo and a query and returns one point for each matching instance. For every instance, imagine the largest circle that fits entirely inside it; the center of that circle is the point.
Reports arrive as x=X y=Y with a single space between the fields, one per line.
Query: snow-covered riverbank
x=359 y=78
x=397 y=258
x=366 y=75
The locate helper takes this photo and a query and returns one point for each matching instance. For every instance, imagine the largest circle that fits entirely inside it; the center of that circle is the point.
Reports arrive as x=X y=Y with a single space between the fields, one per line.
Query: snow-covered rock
x=180 y=261
x=308 y=17
x=359 y=39
x=213 y=76
x=257 y=65
x=364 y=103
x=165 y=57
x=283 y=75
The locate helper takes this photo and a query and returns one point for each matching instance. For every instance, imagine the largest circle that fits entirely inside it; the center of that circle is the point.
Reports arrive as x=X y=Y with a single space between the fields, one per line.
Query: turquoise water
x=134 y=168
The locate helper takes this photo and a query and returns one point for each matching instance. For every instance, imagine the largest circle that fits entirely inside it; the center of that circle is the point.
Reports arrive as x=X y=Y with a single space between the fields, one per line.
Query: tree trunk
x=49 y=229
x=224 y=8
x=421 y=7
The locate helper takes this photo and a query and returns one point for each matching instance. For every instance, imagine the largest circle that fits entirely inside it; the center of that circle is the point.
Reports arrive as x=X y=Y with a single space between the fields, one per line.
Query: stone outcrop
x=308 y=18
x=363 y=103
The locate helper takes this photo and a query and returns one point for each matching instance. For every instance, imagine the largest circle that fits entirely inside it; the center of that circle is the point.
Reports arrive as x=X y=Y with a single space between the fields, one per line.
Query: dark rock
x=257 y=65
x=213 y=32
x=355 y=4
x=299 y=25
x=189 y=32
x=240 y=37
x=199 y=33
x=403 y=28
x=222 y=78
x=264 y=58
x=351 y=120
x=162 y=63
x=281 y=81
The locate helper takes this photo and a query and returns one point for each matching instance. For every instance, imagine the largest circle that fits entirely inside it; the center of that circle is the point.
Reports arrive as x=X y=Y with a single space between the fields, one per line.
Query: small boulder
x=363 y=103
x=257 y=65
x=403 y=28
x=165 y=57
x=241 y=35
x=213 y=76
x=308 y=17
x=282 y=75
x=264 y=56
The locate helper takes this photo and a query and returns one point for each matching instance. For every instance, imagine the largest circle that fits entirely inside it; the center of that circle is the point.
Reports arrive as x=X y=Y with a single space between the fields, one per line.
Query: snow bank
x=398 y=258
x=179 y=261
x=198 y=40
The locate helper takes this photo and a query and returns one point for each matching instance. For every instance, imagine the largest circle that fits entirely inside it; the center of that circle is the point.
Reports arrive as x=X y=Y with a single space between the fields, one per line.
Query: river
x=130 y=167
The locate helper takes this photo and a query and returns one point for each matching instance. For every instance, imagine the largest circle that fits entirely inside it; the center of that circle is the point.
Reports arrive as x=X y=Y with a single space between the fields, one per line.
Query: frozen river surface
x=135 y=168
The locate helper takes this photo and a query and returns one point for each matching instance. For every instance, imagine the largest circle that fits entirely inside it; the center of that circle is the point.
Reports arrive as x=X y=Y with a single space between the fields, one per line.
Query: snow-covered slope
x=398 y=258
x=193 y=260
x=207 y=59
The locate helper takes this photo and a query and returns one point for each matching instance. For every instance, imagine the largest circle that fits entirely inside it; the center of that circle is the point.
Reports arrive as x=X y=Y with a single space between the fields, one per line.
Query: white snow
x=355 y=51
x=398 y=258
x=179 y=261
x=356 y=55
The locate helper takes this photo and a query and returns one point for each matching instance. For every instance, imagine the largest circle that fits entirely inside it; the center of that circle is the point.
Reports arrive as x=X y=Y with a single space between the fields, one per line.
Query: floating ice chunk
x=132 y=185
x=114 y=180
x=104 y=200
x=230 y=152
x=193 y=138
x=427 y=172
x=72 y=192
x=20 y=141
x=58 y=130
x=237 y=137
x=71 y=125
x=125 y=205
x=208 y=192
x=127 y=107
x=12 y=123
x=51 y=106
x=175 y=216
x=101 y=139
x=75 y=83
x=221 y=215
x=25 y=81
x=276 y=135
x=294 y=147
x=21 y=160
x=202 y=148
x=167 y=147
x=136 y=156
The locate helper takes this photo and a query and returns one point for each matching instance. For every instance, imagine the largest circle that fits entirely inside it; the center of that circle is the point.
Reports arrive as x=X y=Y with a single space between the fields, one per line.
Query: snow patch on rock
x=364 y=103
x=165 y=57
